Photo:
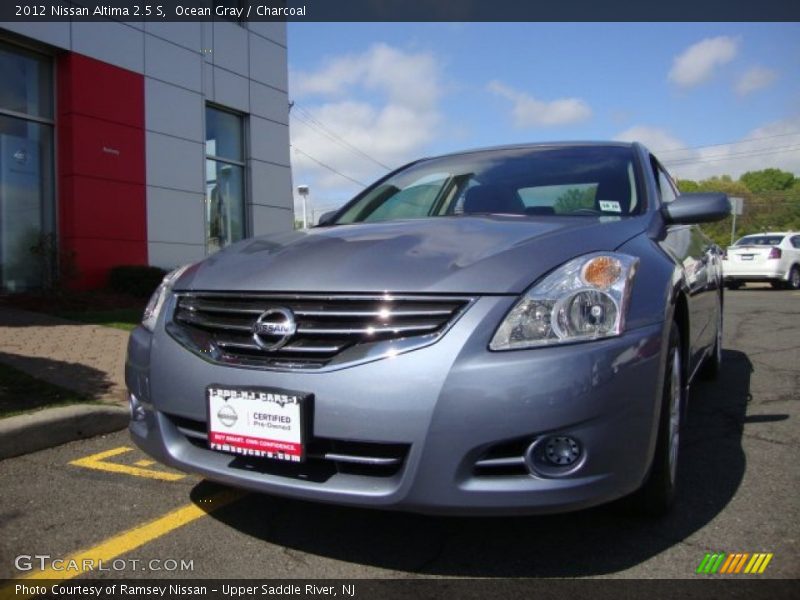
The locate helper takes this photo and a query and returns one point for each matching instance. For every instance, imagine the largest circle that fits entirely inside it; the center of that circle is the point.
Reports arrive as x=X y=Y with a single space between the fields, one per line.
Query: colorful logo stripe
x=734 y=563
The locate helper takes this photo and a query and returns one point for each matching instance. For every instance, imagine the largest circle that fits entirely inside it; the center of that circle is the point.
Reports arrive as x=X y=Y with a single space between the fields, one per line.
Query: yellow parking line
x=99 y=463
x=118 y=545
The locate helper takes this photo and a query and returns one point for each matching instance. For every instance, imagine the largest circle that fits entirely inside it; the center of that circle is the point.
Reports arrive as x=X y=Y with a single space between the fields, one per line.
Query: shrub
x=135 y=280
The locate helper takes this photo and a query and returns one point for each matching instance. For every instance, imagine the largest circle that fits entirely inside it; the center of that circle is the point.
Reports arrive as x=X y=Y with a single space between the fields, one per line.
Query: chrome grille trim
x=360 y=460
x=377 y=314
x=366 y=330
x=364 y=454
x=510 y=461
x=505 y=459
x=333 y=331
x=198 y=435
x=353 y=459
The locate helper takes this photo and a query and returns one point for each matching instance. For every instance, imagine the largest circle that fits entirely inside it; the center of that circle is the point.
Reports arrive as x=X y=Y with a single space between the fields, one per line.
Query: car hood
x=475 y=255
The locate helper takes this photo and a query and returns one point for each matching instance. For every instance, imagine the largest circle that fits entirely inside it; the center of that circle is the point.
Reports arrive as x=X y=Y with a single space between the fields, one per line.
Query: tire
x=657 y=495
x=713 y=362
x=733 y=285
x=793 y=283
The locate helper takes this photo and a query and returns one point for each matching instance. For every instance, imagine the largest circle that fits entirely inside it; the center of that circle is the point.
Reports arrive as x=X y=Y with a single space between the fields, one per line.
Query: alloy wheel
x=794 y=278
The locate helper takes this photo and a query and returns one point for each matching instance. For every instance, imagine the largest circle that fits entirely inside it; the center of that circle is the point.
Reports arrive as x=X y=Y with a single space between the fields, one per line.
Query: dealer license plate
x=256 y=422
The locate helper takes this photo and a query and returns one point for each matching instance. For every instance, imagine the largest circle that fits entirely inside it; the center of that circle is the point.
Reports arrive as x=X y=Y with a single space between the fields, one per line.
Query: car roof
x=535 y=145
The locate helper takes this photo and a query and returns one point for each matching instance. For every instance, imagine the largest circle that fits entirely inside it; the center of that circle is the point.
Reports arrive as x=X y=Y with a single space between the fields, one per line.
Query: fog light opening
x=554 y=456
x=136 y=409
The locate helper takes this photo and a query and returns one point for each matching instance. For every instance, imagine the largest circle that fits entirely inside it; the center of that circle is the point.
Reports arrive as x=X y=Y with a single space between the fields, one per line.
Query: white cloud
x=697 y=63
x=773 y=145
x=754 y=79
x=532 y=112
x=657 y=140
x=384 y=101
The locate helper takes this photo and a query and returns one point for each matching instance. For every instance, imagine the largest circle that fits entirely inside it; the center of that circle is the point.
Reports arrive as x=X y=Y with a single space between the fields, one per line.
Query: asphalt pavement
x=739 y=476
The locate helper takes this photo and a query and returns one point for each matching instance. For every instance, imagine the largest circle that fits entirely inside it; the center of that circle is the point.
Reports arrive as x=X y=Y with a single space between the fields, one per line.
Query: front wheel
x=657 y=494
x=793 y=283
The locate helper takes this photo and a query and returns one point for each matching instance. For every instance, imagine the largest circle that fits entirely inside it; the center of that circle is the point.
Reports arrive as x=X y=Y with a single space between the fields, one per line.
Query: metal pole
x=303 y=191
x=737 y=208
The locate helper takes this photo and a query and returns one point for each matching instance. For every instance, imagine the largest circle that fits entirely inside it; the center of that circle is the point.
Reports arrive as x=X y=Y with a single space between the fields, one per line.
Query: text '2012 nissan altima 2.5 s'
x=501 y=331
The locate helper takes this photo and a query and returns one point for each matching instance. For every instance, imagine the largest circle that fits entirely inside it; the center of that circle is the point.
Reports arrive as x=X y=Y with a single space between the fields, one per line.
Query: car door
x=696 y=254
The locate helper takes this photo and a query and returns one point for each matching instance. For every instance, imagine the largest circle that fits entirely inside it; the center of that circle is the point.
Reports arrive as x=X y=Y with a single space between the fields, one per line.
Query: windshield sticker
x=610 y=206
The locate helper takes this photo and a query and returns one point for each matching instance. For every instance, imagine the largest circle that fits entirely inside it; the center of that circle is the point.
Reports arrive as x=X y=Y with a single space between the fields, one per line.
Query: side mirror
x=326 y=218
x=697 y=208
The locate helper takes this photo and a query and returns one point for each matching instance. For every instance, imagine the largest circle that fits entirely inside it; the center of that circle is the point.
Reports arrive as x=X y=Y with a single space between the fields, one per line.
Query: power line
x=330 y=168
x=736 y=155
x=309 y=120
x=314 y=122
x=744 y=141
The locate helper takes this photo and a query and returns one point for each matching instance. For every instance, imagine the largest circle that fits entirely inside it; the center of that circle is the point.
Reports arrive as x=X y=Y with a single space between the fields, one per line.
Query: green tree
x=575 y=199
x=720 y=231
x=768 y=180
x=771 y=202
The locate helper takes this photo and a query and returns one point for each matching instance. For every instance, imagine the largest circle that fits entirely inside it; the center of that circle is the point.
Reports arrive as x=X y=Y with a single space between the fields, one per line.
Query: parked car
x=762 y=257
x=500 y=331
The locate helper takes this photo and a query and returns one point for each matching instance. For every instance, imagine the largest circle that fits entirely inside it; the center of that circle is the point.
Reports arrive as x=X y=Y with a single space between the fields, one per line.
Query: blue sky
x=397 y=91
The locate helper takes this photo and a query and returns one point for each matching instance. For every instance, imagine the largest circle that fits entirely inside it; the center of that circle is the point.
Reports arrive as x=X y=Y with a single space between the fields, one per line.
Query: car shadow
x=74 y=377
x=598 y=541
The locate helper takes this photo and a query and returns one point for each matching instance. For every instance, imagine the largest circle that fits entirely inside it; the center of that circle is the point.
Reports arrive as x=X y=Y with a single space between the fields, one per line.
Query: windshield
x=760 y=240
x=569 y=180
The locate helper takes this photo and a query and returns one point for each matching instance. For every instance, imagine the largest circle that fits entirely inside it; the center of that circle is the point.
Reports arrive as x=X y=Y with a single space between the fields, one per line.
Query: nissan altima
x=501 y=331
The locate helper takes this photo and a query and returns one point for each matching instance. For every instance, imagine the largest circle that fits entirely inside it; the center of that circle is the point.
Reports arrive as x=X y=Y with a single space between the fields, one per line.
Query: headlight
x=584 y=299
x=156 y=303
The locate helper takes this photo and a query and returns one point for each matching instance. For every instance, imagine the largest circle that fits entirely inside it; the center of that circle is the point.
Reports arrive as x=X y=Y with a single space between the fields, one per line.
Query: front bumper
x=449 y=405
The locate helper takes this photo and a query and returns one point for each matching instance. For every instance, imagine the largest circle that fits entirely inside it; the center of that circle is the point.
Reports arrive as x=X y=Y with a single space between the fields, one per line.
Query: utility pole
x=737 y=208
x=303 y=191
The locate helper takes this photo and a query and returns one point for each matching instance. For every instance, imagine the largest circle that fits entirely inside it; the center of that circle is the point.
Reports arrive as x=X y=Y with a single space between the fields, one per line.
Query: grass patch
x=120 y=318
x=98 y=307
x=21 y=393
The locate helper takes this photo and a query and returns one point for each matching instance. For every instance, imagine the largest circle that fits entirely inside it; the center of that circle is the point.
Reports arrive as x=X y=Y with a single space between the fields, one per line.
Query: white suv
x=773 y=257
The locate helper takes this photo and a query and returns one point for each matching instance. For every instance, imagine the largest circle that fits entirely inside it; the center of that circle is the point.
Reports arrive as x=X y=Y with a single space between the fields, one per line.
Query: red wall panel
x=101 y=167
x=105 y=209
x=105 y=254
x=101 y=90
x=106 y=150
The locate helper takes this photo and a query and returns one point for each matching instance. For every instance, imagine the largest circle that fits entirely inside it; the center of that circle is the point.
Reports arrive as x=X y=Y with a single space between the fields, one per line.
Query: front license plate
x=256 y=422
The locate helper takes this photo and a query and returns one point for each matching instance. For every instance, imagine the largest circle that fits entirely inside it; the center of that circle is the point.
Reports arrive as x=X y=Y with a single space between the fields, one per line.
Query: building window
x=27 y=239
x=225 y=210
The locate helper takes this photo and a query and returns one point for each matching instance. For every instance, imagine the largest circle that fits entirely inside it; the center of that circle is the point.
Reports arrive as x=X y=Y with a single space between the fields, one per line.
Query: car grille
x=325 y=457
x=329 y=329
x=503 y=460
